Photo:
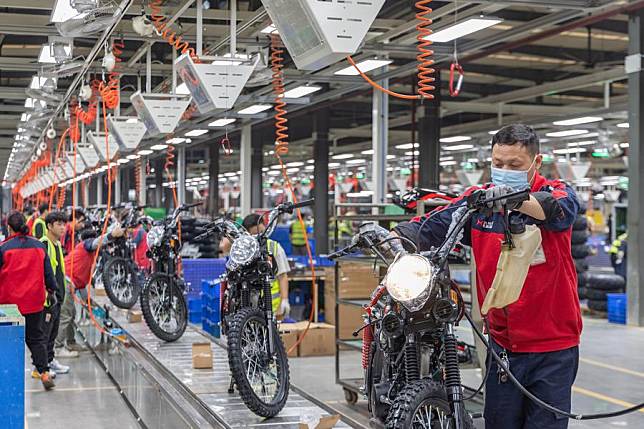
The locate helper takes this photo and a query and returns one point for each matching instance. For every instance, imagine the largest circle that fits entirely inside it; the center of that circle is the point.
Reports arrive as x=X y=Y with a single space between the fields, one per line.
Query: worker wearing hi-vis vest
x=254 y=224
x=298 y=236
x=39 y=229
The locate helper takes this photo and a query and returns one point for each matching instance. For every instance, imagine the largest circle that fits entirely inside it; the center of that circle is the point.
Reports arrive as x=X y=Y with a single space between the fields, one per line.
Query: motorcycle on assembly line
x=256 y=354
x=119 y=273
x=162 y=302
x=410 y=351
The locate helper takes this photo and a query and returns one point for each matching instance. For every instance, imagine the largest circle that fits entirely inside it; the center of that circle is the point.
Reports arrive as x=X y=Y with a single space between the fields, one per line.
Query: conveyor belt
x=204 y=390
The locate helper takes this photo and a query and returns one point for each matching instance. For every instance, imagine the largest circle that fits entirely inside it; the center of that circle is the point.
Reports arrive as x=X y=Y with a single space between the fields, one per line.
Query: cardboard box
x=350 y=317
x=201 y=356
x=289 y=338
x=99 y=292
x=134 y=316
x=319 y=340
x=357 y=280
x=326 y=422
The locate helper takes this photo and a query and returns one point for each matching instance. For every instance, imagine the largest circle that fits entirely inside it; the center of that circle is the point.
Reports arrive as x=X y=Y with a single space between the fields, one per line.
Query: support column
x=99 y=189
x=321 y=181
x=86 y=193
x=76 y=194
x=213 y=183
x=158 y=181
x=429 y=127
x=635 y=283
x=245 y=162
x=143 y=197
x=379 y=133
x=125 y=184
x=256 y=174
x=117 y=186
x=181 y=174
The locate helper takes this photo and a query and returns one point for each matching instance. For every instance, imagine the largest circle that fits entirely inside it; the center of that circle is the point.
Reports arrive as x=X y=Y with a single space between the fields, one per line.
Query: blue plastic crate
x=194 y=304
x=211 y=327
x=194 y=316
x=197 y=270
x=616 y=308
x=211 y=289
x=12 y=388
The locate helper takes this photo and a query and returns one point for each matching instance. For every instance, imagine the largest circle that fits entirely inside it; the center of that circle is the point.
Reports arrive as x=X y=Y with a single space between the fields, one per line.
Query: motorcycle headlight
x=154 y=237
x=409 y=281
x=243 y=250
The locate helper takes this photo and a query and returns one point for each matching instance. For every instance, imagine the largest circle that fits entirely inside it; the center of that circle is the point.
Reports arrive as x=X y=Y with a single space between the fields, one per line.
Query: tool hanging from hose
x=110 y=91
x=455 y=69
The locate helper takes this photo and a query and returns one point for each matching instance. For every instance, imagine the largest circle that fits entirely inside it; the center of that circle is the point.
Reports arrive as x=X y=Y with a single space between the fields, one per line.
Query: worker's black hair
x=18 y=223
x=55 y=216
x=518 y=134
x=88 y=233
x=80 y=213
x=29 y=211
x=43 y=208
x=252 y=220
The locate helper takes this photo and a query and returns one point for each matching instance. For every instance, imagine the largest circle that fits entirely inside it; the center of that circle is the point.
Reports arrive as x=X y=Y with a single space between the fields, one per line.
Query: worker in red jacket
x=539 y=334
x=27 y=280
x=139 y=239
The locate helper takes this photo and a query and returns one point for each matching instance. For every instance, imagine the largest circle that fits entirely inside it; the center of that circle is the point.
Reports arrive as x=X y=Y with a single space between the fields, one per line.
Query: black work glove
x=500 y=191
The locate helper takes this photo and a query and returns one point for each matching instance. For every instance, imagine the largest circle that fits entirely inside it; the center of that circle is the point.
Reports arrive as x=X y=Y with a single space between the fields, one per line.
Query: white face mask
x=516 y=179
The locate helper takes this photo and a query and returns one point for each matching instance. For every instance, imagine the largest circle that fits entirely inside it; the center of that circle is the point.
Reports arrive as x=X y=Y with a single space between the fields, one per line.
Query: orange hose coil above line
x=89 y=116
x=424 y=57
x=162 y=28
x=281 y=130
x=111 y=92
x=137 y=179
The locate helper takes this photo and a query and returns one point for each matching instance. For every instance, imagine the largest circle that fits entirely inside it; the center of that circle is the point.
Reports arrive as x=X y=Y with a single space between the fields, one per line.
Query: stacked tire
x=580 y=250
x=208 y=247
x=598 y=285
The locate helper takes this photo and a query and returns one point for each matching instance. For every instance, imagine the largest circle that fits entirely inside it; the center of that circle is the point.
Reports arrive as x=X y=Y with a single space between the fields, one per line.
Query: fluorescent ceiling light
x=355 y=161
x=448 y=163
x=123 y=161
x=407 y=146
x=144 y=152
x=273 y=173
x=567 y=133
x=309 y=167
x=294 y=164
x=367 y=152
x=301 y=91
x=159 y=147
x=455 y=139
x=412 y=153
x=133 y=157
x=624 y=145
x=391 y=157
x=64 y=11
x=343 y=156
x=578 y=121
x=270 y=29
x=182 y=89
x=175 y=140
x=570 y=150
x=292 y=170
x=196 y=133
x=624 y=125
x=463 y=28
x=582 y=143
x=256 y=108
x=459 y=147
x=276 y=167
x=45 y=54
x=334 y=164
x=222 y=122
x=492 y=132
x=364 y=66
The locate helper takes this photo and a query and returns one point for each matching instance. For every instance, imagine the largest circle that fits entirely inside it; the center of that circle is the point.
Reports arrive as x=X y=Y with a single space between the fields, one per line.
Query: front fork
x=268 y=311
x=453 y=385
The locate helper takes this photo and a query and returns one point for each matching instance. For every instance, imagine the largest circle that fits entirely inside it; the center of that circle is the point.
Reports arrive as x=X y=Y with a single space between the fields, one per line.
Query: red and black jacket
x=547 y=316
x=25 y=273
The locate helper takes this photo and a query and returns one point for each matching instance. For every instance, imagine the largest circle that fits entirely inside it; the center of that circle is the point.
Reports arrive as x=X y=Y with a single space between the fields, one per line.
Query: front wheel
x=262 y=379
x=121 y=282
x=423 y=405
x=164 y=307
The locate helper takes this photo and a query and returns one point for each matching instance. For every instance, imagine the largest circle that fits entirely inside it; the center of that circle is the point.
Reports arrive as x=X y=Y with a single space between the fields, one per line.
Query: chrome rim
x=262 y=373
x=121 y=282
x=429 y=416
x=167 y=311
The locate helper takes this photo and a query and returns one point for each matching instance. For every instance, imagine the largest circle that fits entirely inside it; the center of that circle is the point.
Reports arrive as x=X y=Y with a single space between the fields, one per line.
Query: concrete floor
x=85 y=398
x=611 y=376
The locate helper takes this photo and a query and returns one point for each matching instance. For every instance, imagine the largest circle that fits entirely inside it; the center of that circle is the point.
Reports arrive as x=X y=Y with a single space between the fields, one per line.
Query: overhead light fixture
x=64 y=11
x=462 y=29
x=343 y=156
x=570 y=150
x=222 y=122
x=448 y=163
x=254 y=109
x=578 y=121
x=175 y=140
x=159 y=147
x=292 y=170
x=407 y=146
x=270 y=29
x=367 y=152
x=412 y=153
x=196 y=133
x=567 y=133
x=391 y=157
x=623 y=125
x=294 y=164
x=273 y=173
x=144 y=152
x=37 y=82
x=123 y=161
x=355 y=161
x=493 y=132
x=334 y=164
x=459 y=147
x=133 y=157
x=582 y=143
x=45 y=56
x=624 y=145
x=364 y=66
x=301 y=91
x=455 y=139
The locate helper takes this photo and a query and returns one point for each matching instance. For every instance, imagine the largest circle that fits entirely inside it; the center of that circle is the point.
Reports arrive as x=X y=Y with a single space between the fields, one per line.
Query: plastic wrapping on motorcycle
x=432 y=198
x=512 y=269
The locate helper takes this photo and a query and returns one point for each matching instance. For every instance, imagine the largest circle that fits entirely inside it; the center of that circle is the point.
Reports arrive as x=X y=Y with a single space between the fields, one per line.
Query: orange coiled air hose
x=110 y=91
x=137 y=179
x=424 y=57
x=89 y=116
x=61 y=143
x=162 y=28
x=281 y=130
x=62 y=193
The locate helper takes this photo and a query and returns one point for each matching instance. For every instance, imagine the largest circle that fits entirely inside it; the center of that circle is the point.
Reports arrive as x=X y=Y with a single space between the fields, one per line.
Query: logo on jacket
x=485 y=224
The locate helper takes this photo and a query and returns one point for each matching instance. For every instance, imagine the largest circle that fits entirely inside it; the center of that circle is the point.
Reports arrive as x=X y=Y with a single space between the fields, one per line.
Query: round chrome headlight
x=243 y=250
x=154 y=237
x=409 y=281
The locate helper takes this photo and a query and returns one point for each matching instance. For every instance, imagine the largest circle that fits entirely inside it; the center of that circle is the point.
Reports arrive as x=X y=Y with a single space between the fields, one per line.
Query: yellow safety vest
x=275 y=284
x=51 y=252
x=298 y=234
x=39 y=221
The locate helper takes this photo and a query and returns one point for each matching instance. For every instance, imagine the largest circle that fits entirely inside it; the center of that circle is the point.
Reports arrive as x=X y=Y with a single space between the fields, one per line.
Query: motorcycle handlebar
x=305 y=203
